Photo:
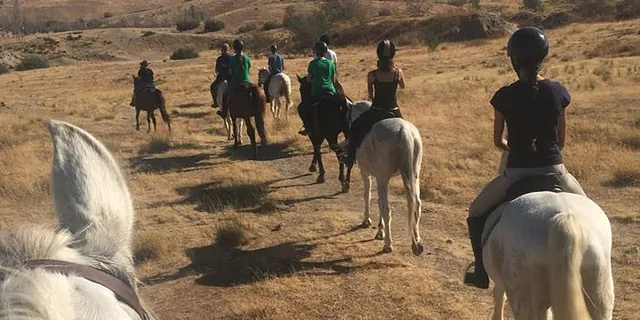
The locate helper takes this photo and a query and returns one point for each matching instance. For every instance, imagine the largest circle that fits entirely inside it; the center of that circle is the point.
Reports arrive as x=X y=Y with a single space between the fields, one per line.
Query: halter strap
x=124 y=293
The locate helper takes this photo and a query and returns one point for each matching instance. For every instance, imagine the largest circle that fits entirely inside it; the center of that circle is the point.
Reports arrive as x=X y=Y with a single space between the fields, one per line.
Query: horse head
x=85 y=269
x=263 y=73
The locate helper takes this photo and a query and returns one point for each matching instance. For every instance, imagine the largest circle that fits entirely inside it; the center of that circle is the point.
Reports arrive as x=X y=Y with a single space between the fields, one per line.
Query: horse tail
x=163 y=109
x=566 y=245
x=259 y=102
x=410 y=171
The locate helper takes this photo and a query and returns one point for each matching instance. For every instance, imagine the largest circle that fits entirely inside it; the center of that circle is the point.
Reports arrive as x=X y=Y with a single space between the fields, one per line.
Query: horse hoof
x=345 y=188
x=379 y=236
x=365 y=224
x=320 y=179
x=388 y=249
x=417 y=249
x=312 y=169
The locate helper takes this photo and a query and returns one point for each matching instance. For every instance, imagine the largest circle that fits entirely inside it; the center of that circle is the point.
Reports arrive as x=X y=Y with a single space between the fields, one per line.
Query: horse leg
x=414 y=209
x=236 y=144
x=252 y=136
x=148 y=121
x=366 y=181
x=153 y=119
x=498 y=303
x=239 y=132
x=385 y=214
x=598 y=286
x=229 y=126
x=261 y=130
x=137 y=119
x=318 y=155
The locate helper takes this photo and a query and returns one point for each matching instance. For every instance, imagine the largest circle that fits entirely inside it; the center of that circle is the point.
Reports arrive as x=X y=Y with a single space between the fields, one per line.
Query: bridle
x=123 y=291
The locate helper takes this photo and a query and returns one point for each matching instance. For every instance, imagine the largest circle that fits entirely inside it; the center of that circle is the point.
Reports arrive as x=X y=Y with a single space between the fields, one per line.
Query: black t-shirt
x=532 y=123
x=222 y=65
x=145 y=75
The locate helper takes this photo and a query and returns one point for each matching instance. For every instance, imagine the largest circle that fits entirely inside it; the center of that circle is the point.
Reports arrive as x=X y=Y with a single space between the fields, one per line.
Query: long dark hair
x=386 y=65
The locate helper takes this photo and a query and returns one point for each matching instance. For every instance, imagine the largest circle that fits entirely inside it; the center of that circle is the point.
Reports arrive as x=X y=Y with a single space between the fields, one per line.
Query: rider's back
x=533 y=123
x=322 y=71
x=239 y=65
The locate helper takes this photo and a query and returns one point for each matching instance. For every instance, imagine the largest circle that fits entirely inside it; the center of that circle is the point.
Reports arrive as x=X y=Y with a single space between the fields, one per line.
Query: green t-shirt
x=240 y=70
x=322 y=72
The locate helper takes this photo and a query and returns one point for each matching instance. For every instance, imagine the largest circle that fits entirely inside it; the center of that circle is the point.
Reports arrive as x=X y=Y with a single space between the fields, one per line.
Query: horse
x=246 y=101
x=279 y=85
x=148 y=101
x=328 y=122
x=392 y=146
x=228 y=124
x=550 y=250
x=84 y=268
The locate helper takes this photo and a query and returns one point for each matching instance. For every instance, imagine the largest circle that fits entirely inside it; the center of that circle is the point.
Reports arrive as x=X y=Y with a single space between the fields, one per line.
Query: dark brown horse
x=329 y=119
x=246 y=101
x=149 y=101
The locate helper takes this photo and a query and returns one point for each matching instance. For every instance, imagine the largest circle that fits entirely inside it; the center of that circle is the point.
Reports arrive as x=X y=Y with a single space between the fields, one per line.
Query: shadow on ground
x=165 y=164
x=221 y=267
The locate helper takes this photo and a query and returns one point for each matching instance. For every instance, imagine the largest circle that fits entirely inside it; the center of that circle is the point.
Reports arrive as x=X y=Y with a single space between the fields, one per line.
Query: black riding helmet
x=324 y=38
x=238 y=45
x=386 y=49
x=320 y=48
x=274 y=48
x=527 y=47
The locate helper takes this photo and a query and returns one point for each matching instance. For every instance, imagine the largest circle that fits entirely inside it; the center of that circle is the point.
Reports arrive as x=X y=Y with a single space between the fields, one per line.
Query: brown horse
x=246 y=101
x=148 y=101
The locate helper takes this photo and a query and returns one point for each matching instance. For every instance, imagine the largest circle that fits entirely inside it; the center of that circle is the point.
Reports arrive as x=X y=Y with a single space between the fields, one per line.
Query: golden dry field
x=300 y=256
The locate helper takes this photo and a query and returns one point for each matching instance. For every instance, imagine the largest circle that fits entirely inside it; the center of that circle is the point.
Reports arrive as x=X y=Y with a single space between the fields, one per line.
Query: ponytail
x=532 y=80
x=386 y=64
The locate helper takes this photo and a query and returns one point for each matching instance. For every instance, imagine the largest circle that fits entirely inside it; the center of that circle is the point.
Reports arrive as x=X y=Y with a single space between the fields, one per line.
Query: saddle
x=517 y=189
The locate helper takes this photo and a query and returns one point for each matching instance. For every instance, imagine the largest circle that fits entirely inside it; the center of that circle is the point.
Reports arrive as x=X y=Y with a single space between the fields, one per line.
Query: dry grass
x=232 y=234
x=303 y=255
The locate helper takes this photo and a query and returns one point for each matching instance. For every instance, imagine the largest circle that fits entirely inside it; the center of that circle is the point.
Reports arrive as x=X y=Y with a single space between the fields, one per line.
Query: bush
x=433 y=40
x=4 y=68
x=247 y=28
x=147 y=33
x=184 y=53
x=385 y=13
x=458 y=3
x=213 y=25
x=475 y=4
x=418 y=7
x=108 y=15
x=342 y=10
x=532 y=4
x=271 y=25
x=32 y=62
x=186 y=25
x=306 y=27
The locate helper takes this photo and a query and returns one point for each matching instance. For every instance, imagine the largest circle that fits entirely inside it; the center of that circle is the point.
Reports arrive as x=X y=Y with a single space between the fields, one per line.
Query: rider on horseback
x=382 y=85
x=276 y=65
x=534 y=110
x=222 y=72
x=239 y=66
x=321 y=74
x=146 y=82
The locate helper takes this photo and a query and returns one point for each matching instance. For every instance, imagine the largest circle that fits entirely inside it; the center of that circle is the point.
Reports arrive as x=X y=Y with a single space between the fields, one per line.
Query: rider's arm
x=498 y=130
x=562 y=125
x=370 y=80
x=401 y=78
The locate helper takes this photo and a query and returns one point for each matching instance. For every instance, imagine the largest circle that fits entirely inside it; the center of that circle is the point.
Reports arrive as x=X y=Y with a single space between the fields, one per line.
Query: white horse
x=228 y=122
x=550 y=250
x=279 y=86
x=392 y=146
x=84 y=269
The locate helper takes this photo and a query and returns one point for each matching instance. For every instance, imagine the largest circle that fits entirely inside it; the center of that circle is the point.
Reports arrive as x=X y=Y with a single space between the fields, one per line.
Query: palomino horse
x=550 y=250
x=228 y=124
x=328 y=121
x=392 y=146
x=246 y=101
x=84 y=269
x=148 y=101
x=279 y=85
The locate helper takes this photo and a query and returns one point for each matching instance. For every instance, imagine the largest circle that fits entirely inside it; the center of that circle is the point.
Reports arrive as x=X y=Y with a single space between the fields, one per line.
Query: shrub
x=32 y=62
x=108 y=15
x=231 y=235
x=271 y=25
x=248 y=28
x=306 y=27
x=4 y=68
x=147 y=33
x=418 y=7
x=184 y=53
x=458 y=3
x=433 y=40
x=186 y=25
x=532 y=4
x=385 y=12
x=475 y=4
x=213 y=25
x=340 y=10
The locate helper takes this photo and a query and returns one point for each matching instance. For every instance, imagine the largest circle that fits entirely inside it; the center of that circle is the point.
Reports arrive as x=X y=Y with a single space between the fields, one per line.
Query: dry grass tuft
x=631 y=141
x=231 y=235
x=149 y=246
x=159 y=143
x=624 y=178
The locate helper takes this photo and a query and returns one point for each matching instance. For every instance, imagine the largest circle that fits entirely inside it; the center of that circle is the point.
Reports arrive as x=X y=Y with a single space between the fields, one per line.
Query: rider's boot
x=478 y=278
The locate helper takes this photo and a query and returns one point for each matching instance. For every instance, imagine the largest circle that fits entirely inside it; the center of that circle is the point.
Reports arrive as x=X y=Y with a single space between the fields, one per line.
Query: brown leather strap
x=123 y=292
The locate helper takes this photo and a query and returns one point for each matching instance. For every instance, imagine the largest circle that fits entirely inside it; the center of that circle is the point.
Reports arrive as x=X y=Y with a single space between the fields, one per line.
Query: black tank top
x=385 y=92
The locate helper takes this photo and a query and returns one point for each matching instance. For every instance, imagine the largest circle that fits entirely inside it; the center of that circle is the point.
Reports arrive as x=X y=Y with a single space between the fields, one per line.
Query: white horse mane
x=95 y=215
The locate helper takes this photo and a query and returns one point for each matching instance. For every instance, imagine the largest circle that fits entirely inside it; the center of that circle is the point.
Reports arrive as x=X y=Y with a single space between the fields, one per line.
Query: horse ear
x=89 y=191
x=299 y=79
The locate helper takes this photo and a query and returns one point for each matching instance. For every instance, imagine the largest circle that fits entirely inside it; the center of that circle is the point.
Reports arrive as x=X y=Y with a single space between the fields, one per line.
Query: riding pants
x=496 y=190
